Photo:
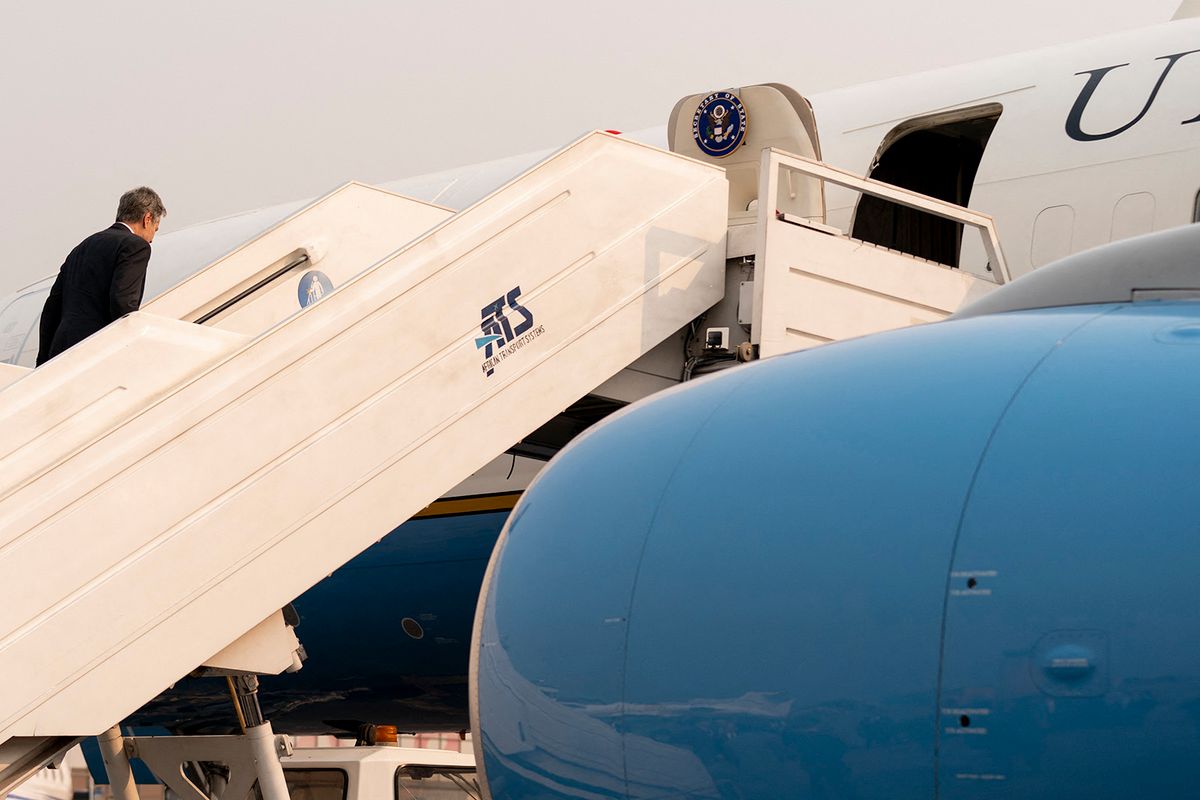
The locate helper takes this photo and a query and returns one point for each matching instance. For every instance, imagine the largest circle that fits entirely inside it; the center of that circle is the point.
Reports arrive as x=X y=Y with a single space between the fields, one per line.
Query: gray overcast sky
x=226 y=106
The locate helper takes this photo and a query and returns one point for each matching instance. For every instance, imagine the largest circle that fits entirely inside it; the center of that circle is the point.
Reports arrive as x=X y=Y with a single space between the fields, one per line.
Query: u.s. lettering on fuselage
x=1095 y=77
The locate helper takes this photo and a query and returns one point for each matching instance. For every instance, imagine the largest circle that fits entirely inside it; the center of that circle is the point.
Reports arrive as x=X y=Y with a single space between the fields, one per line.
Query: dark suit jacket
x=101 y=281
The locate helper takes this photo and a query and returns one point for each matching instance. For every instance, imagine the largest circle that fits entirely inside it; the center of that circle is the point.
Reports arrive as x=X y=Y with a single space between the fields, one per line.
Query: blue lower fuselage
x=387 y=638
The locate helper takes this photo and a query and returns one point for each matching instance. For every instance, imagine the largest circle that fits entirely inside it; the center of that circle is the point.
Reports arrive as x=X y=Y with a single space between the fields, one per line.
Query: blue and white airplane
x=1066 y=147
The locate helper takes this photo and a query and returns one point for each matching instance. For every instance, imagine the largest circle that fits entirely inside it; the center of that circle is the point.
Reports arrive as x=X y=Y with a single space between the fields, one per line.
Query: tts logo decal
x=1095 y=76
x=501 y=338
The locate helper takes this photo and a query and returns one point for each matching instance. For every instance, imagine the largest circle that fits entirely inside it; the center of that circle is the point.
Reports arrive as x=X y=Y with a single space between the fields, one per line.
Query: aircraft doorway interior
x=937 y=156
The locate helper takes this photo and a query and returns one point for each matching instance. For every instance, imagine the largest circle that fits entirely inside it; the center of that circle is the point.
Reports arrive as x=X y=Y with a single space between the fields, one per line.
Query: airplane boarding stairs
x=166 y=486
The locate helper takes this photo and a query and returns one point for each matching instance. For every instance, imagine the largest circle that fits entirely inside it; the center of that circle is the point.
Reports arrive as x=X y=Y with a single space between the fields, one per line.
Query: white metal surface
x=386 y=756
x=351 y=228
x=121 y=782
x=341 y=234
x=251 y=758
x=56 y=410
x=268 y=648
x=10 y=373
x=371 y=772
x=813 y=285
x=260 y=464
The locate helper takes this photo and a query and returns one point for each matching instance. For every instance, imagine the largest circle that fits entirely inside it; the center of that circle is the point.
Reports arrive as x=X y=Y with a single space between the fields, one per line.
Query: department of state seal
x=719 y=124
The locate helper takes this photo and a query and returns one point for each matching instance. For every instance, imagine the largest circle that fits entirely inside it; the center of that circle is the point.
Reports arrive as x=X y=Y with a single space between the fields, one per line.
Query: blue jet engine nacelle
x=957 y=560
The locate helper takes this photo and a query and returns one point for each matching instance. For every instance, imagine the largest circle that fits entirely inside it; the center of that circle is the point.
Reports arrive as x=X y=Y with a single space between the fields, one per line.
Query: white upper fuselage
x=1031 y=163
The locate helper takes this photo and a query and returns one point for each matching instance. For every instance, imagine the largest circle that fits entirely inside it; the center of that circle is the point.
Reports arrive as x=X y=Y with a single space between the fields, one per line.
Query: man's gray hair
x=136 y=202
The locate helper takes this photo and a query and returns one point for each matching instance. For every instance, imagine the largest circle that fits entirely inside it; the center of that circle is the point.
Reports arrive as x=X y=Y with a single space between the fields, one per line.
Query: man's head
x=142 y=210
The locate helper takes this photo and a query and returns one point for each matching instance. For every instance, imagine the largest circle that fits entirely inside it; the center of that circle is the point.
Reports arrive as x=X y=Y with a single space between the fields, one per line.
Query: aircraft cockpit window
x=937 y=155
x=437 y=783
x=316 y=784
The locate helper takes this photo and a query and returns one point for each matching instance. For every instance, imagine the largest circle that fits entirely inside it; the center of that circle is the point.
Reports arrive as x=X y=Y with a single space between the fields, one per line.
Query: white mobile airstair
x=166 y=487
x=169 y=484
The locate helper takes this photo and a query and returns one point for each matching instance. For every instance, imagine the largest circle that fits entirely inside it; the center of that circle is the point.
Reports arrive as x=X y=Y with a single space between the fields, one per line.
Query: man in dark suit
x=103 y=277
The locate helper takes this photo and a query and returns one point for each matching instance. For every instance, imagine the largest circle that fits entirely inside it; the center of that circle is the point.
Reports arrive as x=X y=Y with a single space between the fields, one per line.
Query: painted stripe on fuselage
x=472 y=504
